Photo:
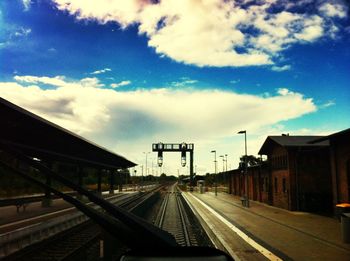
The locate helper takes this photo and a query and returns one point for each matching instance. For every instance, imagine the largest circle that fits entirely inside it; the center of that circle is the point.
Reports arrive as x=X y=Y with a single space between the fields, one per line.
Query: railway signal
x=175 y=147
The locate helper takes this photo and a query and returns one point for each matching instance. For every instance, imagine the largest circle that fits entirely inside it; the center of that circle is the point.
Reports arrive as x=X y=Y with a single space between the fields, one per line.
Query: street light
x=223 y=169
x=141 y=187
x=223 y=162
x=215 y=184
x=146 y=153
x=146 y=170
x=245 y=168
x=226 y=183
x=134 y=178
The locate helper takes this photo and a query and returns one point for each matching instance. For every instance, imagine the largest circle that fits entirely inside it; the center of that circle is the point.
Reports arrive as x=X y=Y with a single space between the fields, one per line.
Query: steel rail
x=73 y=241
x=183 y=222
x=163 y=210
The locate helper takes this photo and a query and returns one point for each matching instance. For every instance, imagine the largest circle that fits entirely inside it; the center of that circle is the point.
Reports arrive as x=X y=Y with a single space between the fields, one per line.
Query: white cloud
x=280 y=68
x=235 y=81
x=313 y=30
x=26 y=4
x=184 y=82
x=60 y=81
x=13 y=36
x=283 y=91
x=122 y=83
x=102 y=71
x=333 y=10
x=214 y=32
x=129 y=121
x=22 y=31
x=57 y=81
x=328 y=104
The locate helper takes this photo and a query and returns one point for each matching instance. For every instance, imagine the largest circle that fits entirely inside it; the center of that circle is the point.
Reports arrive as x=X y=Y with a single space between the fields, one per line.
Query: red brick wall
x=340 y=159
x=235 y=186
x=280 y=193
x=279 y=163
x=302 y=175
x=310 y=179
x=257 y=177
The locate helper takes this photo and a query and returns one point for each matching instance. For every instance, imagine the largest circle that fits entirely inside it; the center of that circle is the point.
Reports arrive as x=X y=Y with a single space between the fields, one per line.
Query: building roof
x=290 y=141
x=334 y=135
x=42 y=139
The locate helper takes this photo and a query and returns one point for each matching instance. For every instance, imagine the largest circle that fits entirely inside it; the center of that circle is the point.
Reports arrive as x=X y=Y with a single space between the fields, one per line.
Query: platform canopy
x=39 y=138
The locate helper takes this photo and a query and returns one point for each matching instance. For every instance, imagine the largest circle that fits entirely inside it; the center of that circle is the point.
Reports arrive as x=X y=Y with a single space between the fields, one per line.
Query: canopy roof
x=42 y=139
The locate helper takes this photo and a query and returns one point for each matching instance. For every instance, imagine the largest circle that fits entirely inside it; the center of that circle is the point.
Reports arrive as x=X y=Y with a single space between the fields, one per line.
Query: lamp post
x=152 y=168
x=146 y=153
x=245 y=168
x=226 y=182
x=215 y=184
x=141 y=188
x=223 y=169
x=223 y=162
x=135 y=179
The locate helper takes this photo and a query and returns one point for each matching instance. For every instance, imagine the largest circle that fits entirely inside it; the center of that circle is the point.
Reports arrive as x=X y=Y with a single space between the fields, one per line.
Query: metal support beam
x=119 y=181
x=99 y=181
x=124 y=225
x=80 y=179
x=191 y=169
x=111 y=182
x=47 y=200
x=175 y=147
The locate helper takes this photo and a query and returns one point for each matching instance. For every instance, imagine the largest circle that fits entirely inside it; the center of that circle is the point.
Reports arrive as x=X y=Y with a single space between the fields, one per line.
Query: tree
x=209 y=179
x=251 y=161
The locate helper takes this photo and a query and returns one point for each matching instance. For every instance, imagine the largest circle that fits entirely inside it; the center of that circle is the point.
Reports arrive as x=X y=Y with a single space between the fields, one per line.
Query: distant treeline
x=13 y=185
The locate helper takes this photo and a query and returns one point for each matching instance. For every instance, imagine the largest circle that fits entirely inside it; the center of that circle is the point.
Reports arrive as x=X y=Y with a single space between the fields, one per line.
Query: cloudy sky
x=126 y=74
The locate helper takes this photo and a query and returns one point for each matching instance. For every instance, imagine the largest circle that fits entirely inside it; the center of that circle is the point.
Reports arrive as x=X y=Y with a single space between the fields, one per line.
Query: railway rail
x=81 y=242
x=174 y=218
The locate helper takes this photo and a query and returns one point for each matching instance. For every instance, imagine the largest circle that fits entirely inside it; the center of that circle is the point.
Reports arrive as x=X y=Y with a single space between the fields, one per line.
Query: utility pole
x=245 y=168
x=215 y=181
x=146 y=153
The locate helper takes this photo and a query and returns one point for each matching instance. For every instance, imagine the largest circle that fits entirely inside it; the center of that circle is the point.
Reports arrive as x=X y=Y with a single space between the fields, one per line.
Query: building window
x=276 y=188
x=266 y=183
x=285 y=162
x=279 y=162
x=284 y=186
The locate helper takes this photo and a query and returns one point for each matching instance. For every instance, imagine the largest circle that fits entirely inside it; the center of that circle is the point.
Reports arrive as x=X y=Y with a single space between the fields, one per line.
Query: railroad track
x=78 y=243
x=22 y=223
x=173 y=217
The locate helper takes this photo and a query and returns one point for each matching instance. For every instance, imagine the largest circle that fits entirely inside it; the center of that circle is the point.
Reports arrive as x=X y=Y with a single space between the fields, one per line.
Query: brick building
x=340 y=164
x=299 y=173
x=296 y=175
x=258 y=183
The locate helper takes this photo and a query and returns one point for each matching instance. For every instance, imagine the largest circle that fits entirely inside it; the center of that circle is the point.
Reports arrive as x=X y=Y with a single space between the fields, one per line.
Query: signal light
x=160 y=158
x=183 y=158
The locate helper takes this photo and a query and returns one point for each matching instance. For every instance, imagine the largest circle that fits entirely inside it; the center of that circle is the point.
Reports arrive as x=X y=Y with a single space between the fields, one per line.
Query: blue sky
x=128 y=73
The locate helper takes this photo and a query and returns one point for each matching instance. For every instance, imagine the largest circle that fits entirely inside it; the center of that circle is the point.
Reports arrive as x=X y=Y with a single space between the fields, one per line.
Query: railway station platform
x=11 y=218
x=263 y=232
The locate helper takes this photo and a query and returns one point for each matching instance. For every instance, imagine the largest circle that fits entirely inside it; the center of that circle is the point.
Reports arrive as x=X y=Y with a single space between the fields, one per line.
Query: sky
x=126 y=74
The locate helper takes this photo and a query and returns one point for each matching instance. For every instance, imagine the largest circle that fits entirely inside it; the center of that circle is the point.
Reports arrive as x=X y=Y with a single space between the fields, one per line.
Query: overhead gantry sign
x=175 y=147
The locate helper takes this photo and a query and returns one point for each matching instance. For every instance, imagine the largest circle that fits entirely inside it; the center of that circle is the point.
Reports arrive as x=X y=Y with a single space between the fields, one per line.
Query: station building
x=299 y=173
x=302 y=173
x=340 y=165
